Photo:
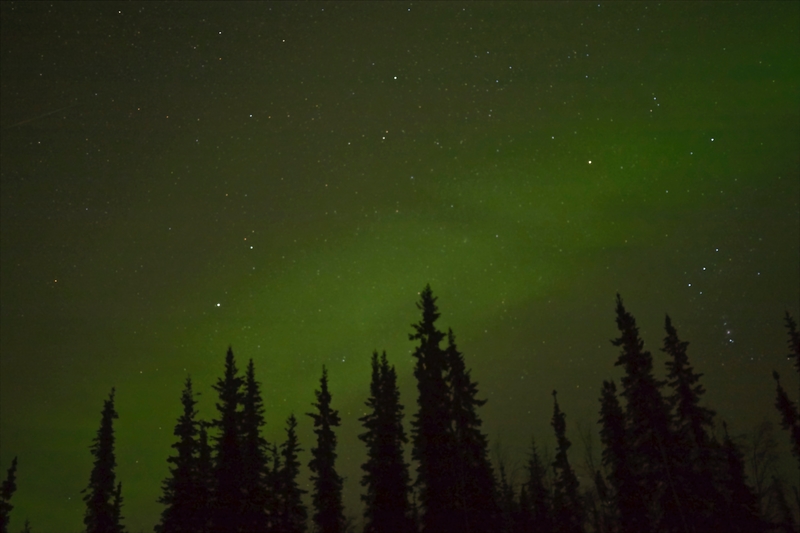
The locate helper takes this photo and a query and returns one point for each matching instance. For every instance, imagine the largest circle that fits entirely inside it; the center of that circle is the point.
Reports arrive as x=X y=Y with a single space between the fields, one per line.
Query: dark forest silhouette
x=663 y=468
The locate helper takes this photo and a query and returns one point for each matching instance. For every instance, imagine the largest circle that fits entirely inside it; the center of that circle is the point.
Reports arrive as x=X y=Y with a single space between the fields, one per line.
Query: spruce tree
x=386 y=472
x=741 y=513
x=117 y=508
x=6 y=492
x=693 y=472
x=254 y=457
x=567 y=509
x=182 y=490
x=291 y=515
x=509 y=512
x=691 y=421
x=524 y=520
x=790 y=414
x=205 y=479
x=228 y=468
x=628 y=510
x=475 y=491
x=102 y=514
x=432 y=438
x=327 y=495
x=273 y=488
x=648 y=424
x=538 y=493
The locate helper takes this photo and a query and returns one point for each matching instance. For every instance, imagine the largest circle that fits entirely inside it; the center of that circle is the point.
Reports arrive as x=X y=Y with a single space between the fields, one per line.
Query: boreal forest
x=666 y=464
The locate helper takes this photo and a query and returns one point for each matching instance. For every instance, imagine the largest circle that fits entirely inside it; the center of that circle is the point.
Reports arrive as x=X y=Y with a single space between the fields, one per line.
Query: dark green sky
x=286 y=178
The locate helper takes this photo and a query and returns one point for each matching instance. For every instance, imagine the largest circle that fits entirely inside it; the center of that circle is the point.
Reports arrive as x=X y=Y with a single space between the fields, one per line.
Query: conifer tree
x=254 y=457
x=742 y=504
x=691 y=421
x=273 y=488
x=205 y=475
x=628 y=508
x=524 y=520
x=182 y=490
x=693 y=472
x=647 y=431
x=327 y=495
x=117 y=508
x=790 y=414
x=6 y=492
x=228 y=468
x=432 y=439
x=475 y=490
x=291 y=515
x=386 y=472
x=102 y=514
x=567 y=509
x=508 y=506
x=538 y=493
x=27 y=527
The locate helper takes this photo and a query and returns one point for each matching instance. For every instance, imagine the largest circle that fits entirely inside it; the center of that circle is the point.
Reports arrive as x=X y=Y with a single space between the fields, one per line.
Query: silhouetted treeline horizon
x=662 y=467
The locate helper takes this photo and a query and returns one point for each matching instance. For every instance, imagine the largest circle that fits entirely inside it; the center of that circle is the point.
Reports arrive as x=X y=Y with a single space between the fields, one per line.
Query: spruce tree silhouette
x=790 y=415
x=626 y=509
x=185 y=510
x=742 y=504
x=567 y=509
x=386 y=473
x=327 y=495
x=432 y=438
x=538 y=494
x=648 y=437
x=205 y=479
x=228 y=493
x=693 y=473
x=6 y=492
x=255 y=470
x=475 y=491
x=102 y=500
x=117 y=508
x=291 y=514
x=273 y=486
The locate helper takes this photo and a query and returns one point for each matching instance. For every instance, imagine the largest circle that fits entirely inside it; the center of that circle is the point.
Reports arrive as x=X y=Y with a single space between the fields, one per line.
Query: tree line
x=663 y=467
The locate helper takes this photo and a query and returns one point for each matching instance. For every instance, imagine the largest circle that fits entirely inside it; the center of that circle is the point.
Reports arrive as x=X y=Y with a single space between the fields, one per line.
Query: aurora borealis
x=286 y=177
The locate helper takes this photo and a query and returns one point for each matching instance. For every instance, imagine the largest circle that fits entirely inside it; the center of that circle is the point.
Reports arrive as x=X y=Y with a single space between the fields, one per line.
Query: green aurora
x=285 y=178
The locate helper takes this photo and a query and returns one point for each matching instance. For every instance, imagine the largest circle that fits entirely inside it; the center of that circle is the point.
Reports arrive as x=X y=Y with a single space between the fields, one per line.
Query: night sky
x=286 y=178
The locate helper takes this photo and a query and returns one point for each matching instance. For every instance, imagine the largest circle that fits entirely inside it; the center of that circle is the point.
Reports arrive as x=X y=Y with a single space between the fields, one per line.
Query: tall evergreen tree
x=475 y=491
x=509 y=511
x=102 y=516
x=386 y=472
x=432 y=438
x=628 y=511
x=538 y=493
x=254 y=456
x=205 y=478
x=648 y=435
x=291 y=515
x=567 y=509
x=182 y=490
x=117 y=508
x=327 y=495
x=693 y=466
x=741 y=513
x=228 y=467
x=691 y=420
x=790 y=414
x=6 y=492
